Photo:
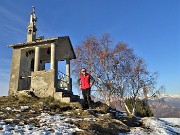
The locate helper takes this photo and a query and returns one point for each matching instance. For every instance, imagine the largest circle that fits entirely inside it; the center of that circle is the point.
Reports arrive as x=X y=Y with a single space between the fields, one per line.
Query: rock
x=8 y=109
x=21 y=123
x=1 y=127
x=24 y=108
x=2 y=123
x=9 y=127
x=18 y=115
x=16 y=110
x=9 y=120
x=32 y=111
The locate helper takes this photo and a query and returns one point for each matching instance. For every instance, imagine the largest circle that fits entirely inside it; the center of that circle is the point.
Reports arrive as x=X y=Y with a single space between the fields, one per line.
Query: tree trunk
x=109 y=98
x=127 y=109
x=134 y=106
x=107 y=101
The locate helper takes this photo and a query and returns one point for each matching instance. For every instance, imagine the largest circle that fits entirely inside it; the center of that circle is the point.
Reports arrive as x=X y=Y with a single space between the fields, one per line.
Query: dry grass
x=103 y=122
x=100 y=127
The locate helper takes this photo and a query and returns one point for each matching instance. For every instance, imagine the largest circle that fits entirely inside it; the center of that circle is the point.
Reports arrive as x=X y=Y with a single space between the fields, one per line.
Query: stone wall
x=43 y=83
x=27 y=55
x=15 y=69
x=64 y=50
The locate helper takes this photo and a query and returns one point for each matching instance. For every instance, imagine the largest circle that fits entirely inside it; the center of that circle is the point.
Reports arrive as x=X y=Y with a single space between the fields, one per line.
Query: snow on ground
x=161 y=126
x=46 y=124
x=58 y=125
x=49 y=124
x=164 y=126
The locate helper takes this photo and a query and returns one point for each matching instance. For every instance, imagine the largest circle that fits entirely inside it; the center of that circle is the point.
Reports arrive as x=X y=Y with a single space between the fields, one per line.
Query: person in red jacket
x=85 y=83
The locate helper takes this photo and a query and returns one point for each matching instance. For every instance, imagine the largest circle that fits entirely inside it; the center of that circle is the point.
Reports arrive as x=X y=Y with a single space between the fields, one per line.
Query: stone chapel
x=28 y=65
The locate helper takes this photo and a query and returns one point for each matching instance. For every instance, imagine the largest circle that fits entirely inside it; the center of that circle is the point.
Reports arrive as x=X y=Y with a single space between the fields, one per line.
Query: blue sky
x=151 y=27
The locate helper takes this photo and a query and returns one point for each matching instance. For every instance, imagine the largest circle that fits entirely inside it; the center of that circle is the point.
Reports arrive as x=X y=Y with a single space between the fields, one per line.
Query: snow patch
x=162 y=126
x=48 y=124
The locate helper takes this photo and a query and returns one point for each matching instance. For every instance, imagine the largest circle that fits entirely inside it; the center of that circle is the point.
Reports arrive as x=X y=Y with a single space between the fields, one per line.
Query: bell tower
x=31 y=34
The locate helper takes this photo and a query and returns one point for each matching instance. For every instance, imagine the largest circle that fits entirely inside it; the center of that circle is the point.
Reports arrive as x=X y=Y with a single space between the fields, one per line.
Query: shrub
x=142 y=107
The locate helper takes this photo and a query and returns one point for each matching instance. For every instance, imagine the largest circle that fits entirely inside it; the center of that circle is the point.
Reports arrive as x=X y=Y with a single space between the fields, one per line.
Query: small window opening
x=30 y=31
x=48 y=51
x=32 y=65
x=26 y=54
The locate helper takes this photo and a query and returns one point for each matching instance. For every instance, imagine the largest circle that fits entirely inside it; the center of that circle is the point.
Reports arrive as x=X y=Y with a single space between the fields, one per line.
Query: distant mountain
x=166 y=106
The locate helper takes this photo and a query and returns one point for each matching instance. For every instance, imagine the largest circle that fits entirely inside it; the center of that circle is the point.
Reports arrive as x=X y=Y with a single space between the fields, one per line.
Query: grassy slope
x=105 y=122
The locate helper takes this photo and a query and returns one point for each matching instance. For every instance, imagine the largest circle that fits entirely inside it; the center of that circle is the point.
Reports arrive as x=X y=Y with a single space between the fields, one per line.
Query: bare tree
x=117 y=71
x=136 y=79
x=105 y=62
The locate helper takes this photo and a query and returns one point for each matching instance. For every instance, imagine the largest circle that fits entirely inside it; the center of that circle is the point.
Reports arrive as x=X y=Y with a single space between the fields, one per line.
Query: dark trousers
x=87 y=98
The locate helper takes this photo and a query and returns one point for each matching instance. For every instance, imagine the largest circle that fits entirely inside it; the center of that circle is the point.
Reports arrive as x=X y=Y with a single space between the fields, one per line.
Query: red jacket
x=85 y=81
